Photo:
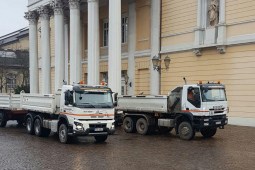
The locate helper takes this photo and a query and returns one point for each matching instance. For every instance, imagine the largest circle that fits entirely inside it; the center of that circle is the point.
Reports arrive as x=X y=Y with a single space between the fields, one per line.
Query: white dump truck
x=75 y=110
x=189 y=109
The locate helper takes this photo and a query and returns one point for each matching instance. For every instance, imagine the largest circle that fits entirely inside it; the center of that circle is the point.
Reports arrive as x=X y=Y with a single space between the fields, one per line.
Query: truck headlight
x=79 y=126
x=113 y=125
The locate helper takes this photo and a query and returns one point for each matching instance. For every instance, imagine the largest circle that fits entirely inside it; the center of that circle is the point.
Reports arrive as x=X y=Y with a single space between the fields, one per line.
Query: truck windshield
x=93 y=99
x=213 y=94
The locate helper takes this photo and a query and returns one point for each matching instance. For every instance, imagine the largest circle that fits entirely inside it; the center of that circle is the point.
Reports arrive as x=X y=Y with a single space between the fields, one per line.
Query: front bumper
x=92 y=132
x=93 y=128
x=210 y=121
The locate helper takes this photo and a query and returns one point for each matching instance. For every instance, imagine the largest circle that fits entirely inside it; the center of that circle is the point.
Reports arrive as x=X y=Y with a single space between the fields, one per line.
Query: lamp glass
x=167 y=61
x=155 y=62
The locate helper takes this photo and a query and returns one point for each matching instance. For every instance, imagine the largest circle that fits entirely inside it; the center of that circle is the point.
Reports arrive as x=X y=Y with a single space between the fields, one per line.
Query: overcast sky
x=12 y=15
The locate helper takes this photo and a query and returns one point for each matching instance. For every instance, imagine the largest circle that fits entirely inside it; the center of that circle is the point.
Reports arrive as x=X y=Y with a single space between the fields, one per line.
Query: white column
x=222 y=23
x=75 y=46
x=114 y=62
x=131 y=46
x=45 y=48
x=66 y=33
x=93 y=42
x=59 y=44
x=155 y=46
x=31 y=16
x=199 y=29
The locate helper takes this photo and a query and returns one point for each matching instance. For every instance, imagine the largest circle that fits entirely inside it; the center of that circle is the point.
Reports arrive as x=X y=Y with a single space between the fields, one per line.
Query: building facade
x=115 y=40
x=14 y=61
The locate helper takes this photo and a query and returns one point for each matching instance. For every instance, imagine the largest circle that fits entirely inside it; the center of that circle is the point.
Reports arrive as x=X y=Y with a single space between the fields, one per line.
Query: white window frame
x=124 y=30
x=105 y=31
x=11 y=81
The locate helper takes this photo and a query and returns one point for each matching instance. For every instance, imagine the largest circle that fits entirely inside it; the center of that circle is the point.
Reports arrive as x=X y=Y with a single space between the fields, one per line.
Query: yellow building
x=115 y=41
x=14 y=60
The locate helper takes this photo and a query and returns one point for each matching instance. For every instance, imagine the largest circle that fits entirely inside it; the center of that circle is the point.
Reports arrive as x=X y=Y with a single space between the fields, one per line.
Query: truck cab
x=205 y=105
x=204 y=99
x=88 y=109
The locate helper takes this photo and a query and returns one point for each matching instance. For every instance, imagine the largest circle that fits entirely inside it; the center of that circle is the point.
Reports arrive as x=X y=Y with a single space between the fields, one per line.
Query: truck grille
x=103 y=125
x=217 y=111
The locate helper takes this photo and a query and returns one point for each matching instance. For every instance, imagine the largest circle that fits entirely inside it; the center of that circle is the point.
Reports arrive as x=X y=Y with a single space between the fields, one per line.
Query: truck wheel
x=100 y=139
x=142 y=126
x=129 y=125
x=208 y=132
x=38 y=127
x=63 y=134
x=3 y=120
x=30 y=125
x=186 y=131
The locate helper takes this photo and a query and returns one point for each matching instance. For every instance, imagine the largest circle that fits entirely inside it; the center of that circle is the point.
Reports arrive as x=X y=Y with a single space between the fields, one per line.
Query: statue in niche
x=213 y=12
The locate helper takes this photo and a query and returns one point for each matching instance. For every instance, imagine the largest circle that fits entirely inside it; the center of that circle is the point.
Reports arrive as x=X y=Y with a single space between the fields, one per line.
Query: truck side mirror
x=114 y=103
x=115 y=97
x=66 y=103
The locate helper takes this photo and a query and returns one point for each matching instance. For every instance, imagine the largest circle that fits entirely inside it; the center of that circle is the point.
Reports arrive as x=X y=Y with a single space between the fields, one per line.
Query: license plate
x=218 y=123
x=99 y=129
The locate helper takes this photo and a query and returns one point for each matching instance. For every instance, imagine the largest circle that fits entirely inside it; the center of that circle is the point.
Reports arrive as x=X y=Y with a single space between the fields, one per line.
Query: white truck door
x=191 y=98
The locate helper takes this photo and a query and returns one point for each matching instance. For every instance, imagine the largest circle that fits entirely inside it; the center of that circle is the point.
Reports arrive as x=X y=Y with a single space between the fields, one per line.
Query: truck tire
x=142 y=126
x=129 y=125
x=63 y=134
x=185 y=130
x=100 y=139
x=39 y=129
x=3 y=120
x=208 y=132
x=30 y=125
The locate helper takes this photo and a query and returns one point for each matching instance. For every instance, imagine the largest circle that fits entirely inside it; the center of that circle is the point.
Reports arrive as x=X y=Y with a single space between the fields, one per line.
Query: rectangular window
x=124 y=31
x=104 y=77
x=11 y=83
x=105 y=33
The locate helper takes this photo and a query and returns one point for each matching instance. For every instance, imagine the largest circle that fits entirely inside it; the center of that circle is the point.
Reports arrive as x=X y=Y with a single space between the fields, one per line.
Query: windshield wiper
x=106 y=105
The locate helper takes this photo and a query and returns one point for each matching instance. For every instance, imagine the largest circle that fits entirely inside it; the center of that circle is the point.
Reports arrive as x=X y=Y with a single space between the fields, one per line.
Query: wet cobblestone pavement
x=231 y=148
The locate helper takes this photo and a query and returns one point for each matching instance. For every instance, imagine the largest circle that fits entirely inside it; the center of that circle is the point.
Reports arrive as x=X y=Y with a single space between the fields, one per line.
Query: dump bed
x=39 y=103
x=147 y=104
x=10 y=101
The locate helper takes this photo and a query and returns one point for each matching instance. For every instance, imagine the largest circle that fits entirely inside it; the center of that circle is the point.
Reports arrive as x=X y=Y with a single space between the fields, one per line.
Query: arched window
x=11 y=81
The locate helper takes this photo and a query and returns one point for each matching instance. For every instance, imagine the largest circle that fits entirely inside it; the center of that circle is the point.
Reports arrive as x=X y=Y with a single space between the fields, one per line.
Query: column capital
x=44 y=12
x=58 y=7
x=74 y=4
x=31 y=16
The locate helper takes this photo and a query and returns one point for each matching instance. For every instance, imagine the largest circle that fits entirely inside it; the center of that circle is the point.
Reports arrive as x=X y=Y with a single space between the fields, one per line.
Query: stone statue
x=213 y=12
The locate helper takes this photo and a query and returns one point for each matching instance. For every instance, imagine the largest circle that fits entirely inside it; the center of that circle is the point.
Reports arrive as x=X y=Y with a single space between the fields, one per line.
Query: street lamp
x=156 y=61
